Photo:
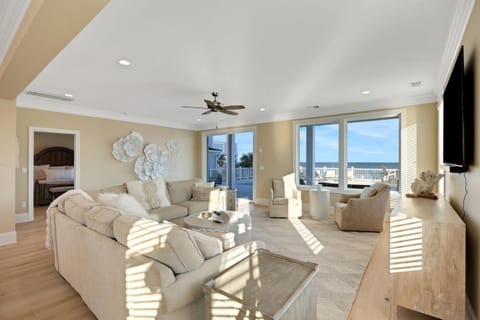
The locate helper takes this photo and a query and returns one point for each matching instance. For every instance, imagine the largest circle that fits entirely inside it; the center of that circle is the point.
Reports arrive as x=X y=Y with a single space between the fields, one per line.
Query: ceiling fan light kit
x=216 y=106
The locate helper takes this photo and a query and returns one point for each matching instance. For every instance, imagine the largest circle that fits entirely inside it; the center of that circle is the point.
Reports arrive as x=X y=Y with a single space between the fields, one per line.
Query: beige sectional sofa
x=180 y=196
x=130 y=267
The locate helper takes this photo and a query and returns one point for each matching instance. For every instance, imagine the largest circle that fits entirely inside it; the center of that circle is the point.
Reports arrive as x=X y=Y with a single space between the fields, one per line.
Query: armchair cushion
x=278 y=188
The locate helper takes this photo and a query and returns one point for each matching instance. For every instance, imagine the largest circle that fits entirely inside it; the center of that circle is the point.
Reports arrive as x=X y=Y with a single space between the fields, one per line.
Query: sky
x=368 y=141
x=244 y=141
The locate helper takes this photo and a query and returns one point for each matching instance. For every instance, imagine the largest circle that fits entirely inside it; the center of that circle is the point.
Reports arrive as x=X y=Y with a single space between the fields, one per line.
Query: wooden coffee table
x=238 y=223
x=263 y=286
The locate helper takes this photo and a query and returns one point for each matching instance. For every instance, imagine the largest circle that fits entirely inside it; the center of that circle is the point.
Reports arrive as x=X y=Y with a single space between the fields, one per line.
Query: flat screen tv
x=457 y=119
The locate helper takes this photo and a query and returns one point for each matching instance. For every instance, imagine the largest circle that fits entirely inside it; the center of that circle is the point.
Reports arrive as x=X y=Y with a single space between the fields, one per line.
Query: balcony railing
x=240 y=173
x=355 y=176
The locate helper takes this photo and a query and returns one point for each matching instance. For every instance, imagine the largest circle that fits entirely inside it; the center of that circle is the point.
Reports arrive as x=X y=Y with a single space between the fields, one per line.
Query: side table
x=263 y=286
x=319 y=203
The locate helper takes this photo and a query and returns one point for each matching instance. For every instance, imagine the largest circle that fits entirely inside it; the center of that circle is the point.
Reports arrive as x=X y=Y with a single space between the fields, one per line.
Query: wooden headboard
x=55 y=156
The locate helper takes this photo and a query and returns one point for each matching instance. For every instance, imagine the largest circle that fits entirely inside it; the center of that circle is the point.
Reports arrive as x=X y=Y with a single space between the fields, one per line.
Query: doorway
x=230 y=161
x=53 y=162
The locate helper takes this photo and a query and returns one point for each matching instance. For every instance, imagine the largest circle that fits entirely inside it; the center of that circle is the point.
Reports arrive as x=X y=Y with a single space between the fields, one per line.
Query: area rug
x=342 y=256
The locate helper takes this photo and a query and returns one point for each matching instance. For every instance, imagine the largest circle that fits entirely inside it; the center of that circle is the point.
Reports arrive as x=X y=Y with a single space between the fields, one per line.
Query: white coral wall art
x=128 y=148
x=153 y=164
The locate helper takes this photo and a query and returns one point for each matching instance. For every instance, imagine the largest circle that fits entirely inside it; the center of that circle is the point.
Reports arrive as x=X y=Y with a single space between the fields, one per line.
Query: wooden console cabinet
x=418 y=264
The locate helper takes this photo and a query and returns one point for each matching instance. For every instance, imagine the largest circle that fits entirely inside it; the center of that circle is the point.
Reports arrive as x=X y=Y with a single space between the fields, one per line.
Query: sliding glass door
x=230 y=161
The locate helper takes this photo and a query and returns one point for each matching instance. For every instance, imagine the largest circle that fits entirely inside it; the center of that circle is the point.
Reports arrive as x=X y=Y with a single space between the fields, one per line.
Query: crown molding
x=457 y=29
x=24 y=101
x=11 y=16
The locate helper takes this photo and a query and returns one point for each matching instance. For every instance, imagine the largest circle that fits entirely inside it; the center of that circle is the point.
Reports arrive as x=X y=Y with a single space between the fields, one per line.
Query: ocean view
x=379 y=165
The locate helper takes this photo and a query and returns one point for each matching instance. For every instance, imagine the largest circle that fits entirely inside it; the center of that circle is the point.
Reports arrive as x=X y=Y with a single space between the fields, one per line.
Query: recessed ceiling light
x=415 y=84
x=124 y=62
x=366 y=92
x=199 y=119
x=262 y=109
x=68 y=95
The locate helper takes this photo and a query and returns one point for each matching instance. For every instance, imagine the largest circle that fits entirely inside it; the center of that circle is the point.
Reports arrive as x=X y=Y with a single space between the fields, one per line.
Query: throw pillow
x=368 y=193
x=201 y=193
x=151 y=194
x=278 y=188
x=166 y=243
x=126 y=203
x=39 y=173
x=210 y=184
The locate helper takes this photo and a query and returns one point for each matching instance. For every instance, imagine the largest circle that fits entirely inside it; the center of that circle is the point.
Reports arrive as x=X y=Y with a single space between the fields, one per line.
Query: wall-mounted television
x=457 y=120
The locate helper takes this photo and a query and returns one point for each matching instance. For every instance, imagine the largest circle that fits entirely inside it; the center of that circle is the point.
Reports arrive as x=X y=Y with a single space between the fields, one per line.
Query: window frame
x=342 y=121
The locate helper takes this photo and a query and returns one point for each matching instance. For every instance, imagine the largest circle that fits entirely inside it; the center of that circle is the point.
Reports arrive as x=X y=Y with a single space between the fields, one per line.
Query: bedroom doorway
x=53 y=165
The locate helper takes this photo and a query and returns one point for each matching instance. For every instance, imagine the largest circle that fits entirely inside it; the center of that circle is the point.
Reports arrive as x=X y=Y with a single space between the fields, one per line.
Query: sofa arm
x=345 y=197
x=271 y=196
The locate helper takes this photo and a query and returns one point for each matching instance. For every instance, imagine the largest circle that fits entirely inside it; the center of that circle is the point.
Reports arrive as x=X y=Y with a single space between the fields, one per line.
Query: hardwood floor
x=30 y=287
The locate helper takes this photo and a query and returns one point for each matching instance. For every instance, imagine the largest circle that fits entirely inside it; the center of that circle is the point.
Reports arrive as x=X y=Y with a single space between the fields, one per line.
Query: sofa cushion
x=151 y=193
x=126 y=203
x=75 y=207
x=181 y=190
x=280 y=201
x=167 y=213
x=100 y=219
x=164 y=242
x=210 y=184
x=194 y=206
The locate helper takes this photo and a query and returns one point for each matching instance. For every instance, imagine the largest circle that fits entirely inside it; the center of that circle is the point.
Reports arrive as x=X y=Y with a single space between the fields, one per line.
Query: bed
x=59 y=162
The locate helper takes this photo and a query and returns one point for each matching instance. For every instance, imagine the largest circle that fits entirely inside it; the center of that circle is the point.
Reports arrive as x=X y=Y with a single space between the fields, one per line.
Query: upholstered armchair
x=365 y=211
x=285 y=199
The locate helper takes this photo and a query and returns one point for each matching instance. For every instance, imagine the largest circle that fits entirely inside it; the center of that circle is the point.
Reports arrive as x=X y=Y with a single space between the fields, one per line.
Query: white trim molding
x=21 y=217
x=460 y=20
x=31 y=143
x=8 y=238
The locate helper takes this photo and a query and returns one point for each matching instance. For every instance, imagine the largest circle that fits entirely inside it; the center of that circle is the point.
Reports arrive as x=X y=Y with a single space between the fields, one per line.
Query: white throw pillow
x=59 y=174
x=151 y=194
x=39 y=173
x=125 y=202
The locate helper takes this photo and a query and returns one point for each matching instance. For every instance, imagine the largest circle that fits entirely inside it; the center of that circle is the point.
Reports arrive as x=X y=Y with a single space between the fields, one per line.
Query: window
x=349 y=153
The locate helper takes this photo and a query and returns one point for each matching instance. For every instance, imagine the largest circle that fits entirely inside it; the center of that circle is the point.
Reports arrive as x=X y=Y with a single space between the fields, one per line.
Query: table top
x=204 y=220
x=265 y=281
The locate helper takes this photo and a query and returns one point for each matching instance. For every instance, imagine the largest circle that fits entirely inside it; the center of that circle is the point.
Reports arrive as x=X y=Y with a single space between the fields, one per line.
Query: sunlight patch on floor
x=308 y=237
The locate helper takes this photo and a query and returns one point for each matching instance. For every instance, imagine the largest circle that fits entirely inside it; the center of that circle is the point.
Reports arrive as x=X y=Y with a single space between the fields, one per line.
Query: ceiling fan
x=217 y=106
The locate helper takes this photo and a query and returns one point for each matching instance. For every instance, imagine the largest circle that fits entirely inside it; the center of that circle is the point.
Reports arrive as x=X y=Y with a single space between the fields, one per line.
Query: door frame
x=31 y=144
x=231 y=131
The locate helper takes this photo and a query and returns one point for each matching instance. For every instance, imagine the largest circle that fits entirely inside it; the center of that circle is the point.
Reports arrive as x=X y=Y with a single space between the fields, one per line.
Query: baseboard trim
x=21 y=217
x=469 y=313
x=8 y=238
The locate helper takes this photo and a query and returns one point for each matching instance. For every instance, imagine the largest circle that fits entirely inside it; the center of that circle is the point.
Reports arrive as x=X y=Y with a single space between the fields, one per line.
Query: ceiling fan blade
x=234 y=107
x=229 y=112
x=209 y=103
x=207 y=112
x=194 y=107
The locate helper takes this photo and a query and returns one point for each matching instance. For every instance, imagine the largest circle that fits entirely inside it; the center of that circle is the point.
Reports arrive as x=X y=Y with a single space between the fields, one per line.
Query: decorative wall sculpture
x=153 y=164
x=128 y=148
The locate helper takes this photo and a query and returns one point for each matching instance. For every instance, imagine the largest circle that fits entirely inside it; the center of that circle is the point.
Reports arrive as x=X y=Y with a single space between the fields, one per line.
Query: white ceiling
x=283 y=55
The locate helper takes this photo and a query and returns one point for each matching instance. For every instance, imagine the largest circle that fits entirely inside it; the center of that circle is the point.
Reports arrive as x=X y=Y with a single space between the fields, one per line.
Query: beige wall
x=45 y=140
x=98 y=168
x=8 y=142
x=455 y=182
